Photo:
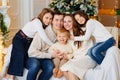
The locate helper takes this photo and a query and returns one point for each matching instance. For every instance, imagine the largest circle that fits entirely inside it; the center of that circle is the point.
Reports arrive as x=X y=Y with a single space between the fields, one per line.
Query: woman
x=76 y=67
x=24 y=37
x=103 y=39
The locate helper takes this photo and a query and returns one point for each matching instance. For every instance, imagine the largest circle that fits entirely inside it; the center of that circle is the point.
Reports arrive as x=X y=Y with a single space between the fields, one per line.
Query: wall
x=14 y=13
x=21 y=11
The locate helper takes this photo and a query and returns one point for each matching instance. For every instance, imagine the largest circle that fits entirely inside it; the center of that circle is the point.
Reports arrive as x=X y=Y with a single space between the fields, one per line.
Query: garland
x=3 y=27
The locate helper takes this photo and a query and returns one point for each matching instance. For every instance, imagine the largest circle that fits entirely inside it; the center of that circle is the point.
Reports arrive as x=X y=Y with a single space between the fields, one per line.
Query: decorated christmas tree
x=73 y=5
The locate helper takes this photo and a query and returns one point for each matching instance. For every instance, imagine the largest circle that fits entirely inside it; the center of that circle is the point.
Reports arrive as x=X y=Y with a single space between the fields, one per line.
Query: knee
x=95 y=52
x=33 y=64
x=50 y=69
x=90 y=52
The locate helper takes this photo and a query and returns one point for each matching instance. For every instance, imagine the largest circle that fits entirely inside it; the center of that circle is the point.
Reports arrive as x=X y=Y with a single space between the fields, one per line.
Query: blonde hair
x=63 y=30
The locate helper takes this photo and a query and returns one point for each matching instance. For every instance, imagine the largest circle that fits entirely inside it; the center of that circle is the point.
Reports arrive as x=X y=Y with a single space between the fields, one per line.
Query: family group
x=58 y=44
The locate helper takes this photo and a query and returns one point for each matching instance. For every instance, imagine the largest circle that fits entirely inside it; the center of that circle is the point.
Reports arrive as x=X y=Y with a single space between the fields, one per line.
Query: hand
x=55 y=53
x=65 y=56
x=61 y=54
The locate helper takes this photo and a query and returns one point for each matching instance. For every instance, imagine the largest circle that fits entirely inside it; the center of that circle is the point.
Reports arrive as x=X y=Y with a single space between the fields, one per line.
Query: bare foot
x=55 y=71
x=60 y=74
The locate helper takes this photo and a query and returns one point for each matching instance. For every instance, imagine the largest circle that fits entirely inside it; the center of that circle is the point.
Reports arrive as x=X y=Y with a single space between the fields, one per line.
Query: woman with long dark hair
x=103 y=39
x=76 y=67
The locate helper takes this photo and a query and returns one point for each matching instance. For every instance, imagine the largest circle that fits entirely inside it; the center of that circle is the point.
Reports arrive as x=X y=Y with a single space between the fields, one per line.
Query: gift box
x=109 y=4
x=109 y=20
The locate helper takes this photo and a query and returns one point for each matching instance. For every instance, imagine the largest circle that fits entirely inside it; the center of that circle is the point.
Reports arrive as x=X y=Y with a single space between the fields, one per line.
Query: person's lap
x=34 y=65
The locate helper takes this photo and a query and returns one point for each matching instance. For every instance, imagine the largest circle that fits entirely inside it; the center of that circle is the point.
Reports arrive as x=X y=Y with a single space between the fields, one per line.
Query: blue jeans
x=34 y=65
x=19 y=54
x=96 y=51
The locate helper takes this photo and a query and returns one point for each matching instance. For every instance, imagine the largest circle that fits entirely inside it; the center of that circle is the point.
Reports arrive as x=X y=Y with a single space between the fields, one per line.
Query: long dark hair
x=83 y=14
x=80 y=32
x=77 y=31
x=44 y=11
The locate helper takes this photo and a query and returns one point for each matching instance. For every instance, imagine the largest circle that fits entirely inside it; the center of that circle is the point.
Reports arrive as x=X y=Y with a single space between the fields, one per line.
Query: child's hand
x=60 y=55
x=55 y=53
x=65 y=56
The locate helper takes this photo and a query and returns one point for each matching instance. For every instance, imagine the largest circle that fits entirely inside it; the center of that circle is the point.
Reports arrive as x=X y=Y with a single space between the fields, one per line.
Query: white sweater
x=39 y=48
x=95 y=29
x=32 y=27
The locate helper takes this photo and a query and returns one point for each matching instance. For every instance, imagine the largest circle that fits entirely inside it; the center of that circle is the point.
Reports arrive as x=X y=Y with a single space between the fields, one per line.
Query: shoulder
x=50 y=33
x=91 y=20
x=36 y=21
x=49 y=28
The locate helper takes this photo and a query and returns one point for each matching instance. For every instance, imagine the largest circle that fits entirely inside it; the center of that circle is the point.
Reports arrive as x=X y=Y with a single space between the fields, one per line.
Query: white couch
x=112 y=30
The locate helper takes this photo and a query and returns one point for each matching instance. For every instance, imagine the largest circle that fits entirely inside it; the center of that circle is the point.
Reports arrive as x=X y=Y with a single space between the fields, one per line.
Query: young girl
x=103 y=38
x=23 y=39
x=61 y=47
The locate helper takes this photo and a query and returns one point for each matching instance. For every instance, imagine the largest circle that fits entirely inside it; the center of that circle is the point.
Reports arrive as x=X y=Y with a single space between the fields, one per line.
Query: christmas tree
x=73 y=5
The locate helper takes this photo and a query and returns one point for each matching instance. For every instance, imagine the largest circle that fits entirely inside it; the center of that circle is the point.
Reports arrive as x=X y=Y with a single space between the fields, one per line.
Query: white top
x=67 y=49
x=95 y=29
x=80 y=62
x=33 y=27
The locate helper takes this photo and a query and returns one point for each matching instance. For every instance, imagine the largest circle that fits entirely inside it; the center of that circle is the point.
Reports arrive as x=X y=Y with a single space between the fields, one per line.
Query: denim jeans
x=19 y=54
x=34 y=65
x=96 y=51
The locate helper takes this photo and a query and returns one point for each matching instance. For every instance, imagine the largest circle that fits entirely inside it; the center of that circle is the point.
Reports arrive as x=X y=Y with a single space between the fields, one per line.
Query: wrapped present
x=109 y=20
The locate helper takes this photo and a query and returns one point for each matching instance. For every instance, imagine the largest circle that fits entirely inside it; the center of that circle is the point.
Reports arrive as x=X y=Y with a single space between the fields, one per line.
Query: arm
x=54 y=51
x=36 y=48
x=43 y=34
x=88 y=33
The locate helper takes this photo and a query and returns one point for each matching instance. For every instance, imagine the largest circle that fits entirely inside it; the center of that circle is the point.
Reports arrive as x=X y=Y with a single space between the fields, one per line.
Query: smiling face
x=62 y=38
x=57 y=22
x=79 y=19
x=68 y=23
x=47 y=18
